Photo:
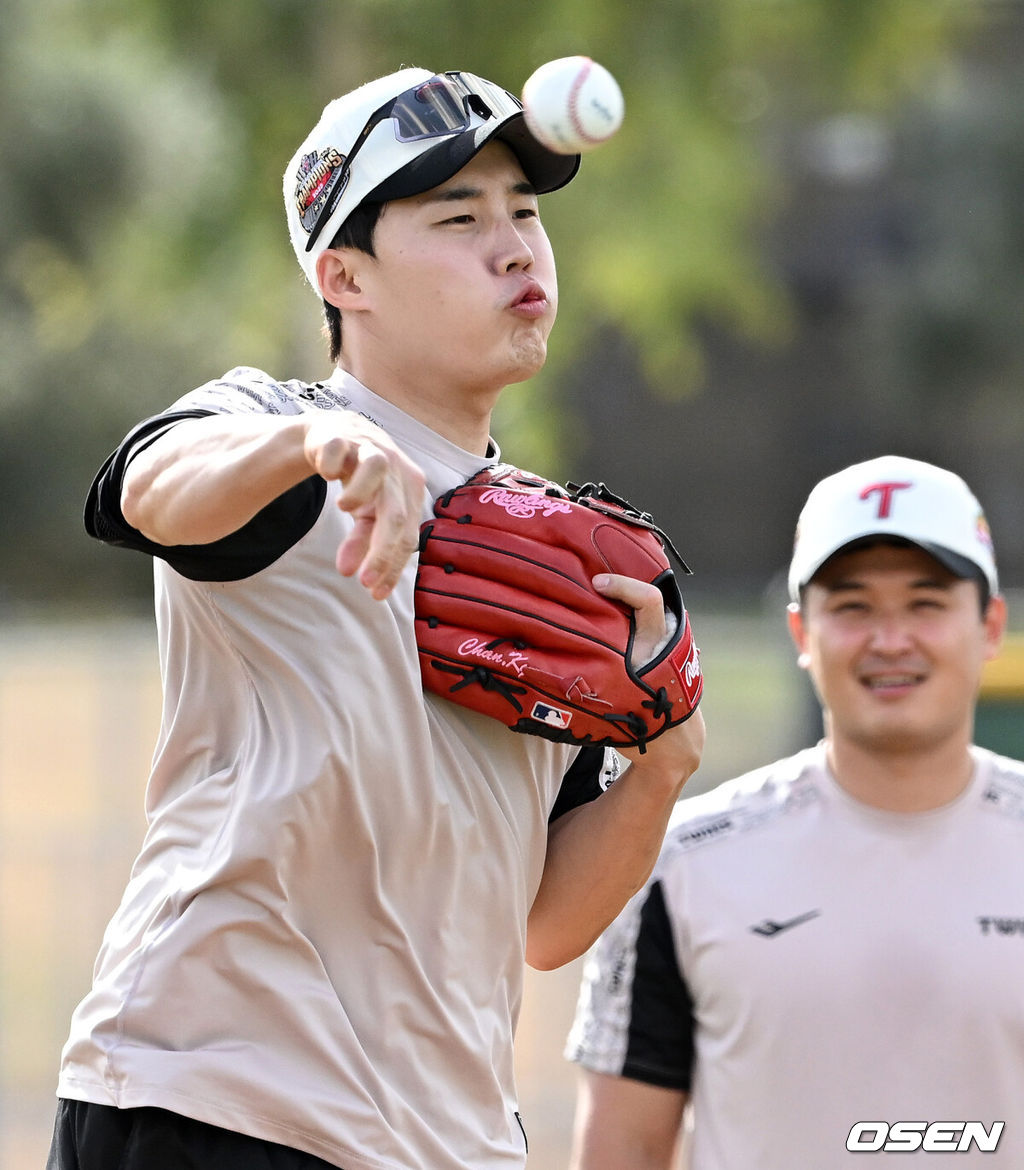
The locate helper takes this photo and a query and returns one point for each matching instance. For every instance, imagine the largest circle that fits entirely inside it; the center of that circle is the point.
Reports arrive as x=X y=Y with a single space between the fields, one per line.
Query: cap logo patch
x=317 y=177
x=885 y=493
x=983 y=530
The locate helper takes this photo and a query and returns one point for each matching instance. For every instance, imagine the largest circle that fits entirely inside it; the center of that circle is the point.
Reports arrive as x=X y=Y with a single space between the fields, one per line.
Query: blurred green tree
x=143 y=248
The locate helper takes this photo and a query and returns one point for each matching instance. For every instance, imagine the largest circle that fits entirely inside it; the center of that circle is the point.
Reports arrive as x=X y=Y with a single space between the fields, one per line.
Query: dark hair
x=356 y=232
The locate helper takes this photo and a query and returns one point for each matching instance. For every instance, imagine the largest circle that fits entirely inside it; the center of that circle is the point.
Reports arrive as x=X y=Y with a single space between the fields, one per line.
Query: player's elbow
x=547 y=950
x=135 y=502
x=541 y=960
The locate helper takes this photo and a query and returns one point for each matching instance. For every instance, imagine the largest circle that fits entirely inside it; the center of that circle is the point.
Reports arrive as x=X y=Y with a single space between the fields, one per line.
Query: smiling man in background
x=811 y=965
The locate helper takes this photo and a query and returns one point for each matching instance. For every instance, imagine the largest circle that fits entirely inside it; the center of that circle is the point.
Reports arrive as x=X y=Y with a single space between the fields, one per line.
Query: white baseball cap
x=895 y=497
x=401 y=135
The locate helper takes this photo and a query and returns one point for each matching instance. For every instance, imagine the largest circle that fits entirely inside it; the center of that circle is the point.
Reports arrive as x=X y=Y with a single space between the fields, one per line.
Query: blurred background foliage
x=804 y=247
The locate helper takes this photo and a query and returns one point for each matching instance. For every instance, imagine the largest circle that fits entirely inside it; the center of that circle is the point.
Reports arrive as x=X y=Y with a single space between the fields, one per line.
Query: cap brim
x=545 y=170
x=959 y=566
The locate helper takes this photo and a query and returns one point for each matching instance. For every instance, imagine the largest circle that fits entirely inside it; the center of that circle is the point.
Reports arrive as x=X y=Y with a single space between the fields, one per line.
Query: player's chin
x=526 y=357
x=891 y=738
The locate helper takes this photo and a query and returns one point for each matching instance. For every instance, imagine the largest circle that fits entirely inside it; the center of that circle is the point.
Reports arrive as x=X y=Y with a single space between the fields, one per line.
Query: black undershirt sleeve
x=257 y=544
x=581 y=783
x=660 y=1040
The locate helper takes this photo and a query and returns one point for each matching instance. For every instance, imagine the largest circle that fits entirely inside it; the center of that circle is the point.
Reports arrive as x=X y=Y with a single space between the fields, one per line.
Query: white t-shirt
x=322 y=940
x=800 y=962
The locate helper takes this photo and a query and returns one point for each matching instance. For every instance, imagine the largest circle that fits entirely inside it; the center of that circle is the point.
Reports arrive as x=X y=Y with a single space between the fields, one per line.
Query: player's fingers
x=381 y=550
x=353 y=548
x=331 y=455
x=353 y=451
x=378 y=568
x=365 y=473
x=388 y=508
x=647 y=601
x=378 y=469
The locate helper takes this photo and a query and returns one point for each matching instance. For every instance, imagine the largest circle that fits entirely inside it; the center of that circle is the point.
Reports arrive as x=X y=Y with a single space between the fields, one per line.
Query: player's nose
x=890 y=635
x=513 y=252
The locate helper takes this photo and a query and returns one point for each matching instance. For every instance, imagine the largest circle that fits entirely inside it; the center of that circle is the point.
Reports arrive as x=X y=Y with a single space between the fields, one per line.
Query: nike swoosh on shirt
x=769 y=928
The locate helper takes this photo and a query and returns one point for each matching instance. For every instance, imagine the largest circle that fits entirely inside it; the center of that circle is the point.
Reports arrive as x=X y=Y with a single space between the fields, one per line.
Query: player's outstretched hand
x=383 y=490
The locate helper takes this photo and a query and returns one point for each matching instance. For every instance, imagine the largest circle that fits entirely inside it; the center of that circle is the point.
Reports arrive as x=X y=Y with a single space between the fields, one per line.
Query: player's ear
x=798 y=632
x=337 y=271
x=995 y=625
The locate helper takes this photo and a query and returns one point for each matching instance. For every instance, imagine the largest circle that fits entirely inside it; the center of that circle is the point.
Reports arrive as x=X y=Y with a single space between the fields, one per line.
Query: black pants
x=100 y=1137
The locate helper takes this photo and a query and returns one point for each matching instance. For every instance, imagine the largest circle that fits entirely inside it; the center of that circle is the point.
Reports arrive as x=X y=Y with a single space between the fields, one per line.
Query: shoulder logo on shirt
x=769 y=928
x=1005 y=794
x=703 y=832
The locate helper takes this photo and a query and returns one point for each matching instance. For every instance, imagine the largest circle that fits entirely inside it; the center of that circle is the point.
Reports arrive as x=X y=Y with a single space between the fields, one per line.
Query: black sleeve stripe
x=103 y=517
x=659 y=1048
x=257 y=544
x=582 y=782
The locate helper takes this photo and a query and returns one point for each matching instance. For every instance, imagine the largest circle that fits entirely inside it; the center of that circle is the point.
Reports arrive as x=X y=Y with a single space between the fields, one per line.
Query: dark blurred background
x=805 y=247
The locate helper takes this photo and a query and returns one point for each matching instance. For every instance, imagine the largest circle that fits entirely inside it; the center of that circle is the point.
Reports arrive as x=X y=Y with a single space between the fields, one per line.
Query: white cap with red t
x=902 y=499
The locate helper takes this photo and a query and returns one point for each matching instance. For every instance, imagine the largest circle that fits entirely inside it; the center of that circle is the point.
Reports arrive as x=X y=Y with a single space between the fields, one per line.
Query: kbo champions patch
x=318 y=175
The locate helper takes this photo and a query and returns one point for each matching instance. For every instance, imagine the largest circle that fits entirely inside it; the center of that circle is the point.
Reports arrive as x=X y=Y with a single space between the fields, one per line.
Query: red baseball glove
x=508 y=623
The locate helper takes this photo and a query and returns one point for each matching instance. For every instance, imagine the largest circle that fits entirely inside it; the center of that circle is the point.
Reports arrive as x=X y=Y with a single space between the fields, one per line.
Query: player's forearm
x=620 y=1144
x=622 y=1124
x=604 y=1151
x=599 y=856
x=207 y=477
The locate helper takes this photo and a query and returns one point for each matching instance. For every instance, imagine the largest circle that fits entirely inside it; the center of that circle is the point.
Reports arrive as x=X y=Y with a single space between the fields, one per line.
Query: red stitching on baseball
x=574 y=117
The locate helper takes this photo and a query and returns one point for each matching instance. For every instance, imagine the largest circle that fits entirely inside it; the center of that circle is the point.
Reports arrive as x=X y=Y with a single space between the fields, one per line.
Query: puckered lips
x=530 y=301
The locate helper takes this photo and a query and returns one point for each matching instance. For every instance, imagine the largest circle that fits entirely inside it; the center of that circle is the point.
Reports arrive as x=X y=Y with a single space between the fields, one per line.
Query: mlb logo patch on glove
x=509 y=624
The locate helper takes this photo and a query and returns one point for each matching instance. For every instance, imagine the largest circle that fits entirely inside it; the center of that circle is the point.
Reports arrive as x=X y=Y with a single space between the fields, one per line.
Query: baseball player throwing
x=318 y=958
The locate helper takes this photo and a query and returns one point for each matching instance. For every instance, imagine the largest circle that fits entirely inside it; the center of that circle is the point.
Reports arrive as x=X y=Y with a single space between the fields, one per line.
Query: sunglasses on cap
x=440 y=106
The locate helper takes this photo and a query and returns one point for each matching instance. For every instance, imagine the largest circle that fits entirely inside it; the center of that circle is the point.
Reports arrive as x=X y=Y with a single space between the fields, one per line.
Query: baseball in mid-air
x=572 y=105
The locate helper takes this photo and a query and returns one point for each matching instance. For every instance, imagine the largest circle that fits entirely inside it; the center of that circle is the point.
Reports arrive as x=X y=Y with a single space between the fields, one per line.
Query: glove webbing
x=592 y=495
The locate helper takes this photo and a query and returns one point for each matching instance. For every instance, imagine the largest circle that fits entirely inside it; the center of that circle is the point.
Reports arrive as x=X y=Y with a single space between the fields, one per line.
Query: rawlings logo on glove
x=508 y=623
x=525 y=504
